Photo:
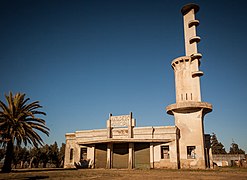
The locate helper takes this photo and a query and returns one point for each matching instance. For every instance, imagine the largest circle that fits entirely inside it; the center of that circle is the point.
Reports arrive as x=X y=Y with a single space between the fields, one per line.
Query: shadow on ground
x=29 y=178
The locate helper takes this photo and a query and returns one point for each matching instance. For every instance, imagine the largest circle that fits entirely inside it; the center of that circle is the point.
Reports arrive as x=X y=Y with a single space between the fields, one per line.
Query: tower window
x=186 y=97
x=191 y=152
x=165 y=152
x=191 y=95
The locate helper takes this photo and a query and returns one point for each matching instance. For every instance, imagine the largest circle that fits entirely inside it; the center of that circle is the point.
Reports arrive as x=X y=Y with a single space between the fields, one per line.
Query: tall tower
x=188 y=110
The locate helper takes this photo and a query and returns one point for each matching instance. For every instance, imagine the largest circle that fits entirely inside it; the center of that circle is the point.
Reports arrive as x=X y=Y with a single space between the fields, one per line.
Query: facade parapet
x=140 y=134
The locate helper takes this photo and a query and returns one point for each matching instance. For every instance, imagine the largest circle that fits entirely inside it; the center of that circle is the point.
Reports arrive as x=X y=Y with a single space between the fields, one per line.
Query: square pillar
x=131 y=155
x=151 y=156
x=109 y=128
x=77 y=152
x=109 y=155
x=130 y=133
x=92 y=156
x=177 y=153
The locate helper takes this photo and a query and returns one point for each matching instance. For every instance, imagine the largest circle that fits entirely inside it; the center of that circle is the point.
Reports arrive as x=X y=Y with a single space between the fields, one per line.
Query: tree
x=234 y=149
x=24 y=156
x=44 y=155
x=34 y=157
x=217 y=147
x=61 y=155
x=20 y=156
x=16 y=156
x=18 y=123
x=2 y=153
x=54 y=153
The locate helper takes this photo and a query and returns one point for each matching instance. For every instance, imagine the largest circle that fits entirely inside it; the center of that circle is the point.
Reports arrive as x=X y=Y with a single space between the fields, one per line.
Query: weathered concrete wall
x=148 y=133
x=227 y=159
x=70 y=144
x=192 y=134
x=88 y=138
x=161 y=132
x=172 y=162
x=91 y=135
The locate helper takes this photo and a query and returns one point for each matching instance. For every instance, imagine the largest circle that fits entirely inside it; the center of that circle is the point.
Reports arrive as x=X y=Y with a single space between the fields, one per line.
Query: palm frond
x=18 y=120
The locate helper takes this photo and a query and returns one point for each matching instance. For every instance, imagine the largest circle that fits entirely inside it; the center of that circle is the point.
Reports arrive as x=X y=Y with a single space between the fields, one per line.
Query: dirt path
x=102 y=174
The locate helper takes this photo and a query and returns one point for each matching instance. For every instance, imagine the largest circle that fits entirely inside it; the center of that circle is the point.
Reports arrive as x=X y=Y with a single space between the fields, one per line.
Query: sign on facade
x=120 y=121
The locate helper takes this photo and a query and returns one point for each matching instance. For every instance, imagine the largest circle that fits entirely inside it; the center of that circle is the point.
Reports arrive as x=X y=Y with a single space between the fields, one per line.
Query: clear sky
x=85 y=59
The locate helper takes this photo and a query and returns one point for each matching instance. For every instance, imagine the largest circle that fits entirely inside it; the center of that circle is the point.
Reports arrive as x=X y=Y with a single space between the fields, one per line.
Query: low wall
x=228 y=159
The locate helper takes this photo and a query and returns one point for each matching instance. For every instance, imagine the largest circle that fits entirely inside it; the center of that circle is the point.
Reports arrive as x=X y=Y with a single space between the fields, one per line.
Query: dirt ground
x=108 y=174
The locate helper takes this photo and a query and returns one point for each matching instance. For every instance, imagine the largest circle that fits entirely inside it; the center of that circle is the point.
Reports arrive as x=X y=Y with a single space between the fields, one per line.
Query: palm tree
x=18 y=122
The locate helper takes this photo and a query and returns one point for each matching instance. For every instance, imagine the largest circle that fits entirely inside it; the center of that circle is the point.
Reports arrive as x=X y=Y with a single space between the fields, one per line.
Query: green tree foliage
x=35 y=157
x=18 y=124
x=217 y=147
x=61 y=155
x=44 y=155
x=234 y=149
x=54 y=154
x=20 y=156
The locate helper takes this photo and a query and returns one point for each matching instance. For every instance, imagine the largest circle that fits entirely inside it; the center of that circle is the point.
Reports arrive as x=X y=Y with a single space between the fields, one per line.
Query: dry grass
x=104 y=174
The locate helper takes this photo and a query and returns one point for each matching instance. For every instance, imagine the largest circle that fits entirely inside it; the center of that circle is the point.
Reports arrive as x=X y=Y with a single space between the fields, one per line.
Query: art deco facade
x=122 y=145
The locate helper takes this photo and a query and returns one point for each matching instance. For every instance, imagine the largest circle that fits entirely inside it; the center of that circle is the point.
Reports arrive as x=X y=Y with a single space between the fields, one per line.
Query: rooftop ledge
x=124 y=140
x=188 y=107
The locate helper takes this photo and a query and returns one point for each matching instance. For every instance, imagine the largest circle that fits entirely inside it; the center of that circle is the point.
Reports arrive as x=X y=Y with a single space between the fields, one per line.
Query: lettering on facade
x=120 y=121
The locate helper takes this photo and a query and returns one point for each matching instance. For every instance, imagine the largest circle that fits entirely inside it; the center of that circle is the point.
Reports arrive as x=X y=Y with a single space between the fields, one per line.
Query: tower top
x=191 y=39
x=186 y=8
x=186 y=68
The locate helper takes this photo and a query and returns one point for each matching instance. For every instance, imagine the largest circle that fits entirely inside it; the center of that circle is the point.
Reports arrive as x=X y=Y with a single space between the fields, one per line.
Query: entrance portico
x=122 y=145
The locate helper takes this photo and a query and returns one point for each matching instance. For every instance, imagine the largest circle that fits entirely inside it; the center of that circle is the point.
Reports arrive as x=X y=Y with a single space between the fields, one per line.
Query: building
x=229 y=160
x=122 y=145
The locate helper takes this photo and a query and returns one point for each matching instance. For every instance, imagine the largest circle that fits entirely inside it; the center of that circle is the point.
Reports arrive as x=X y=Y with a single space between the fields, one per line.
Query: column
x=151 y=156
x=108 y=125
x=92 y=161
x=130 y=126
x=109 y=156
x=131 y=150
x=177 y=150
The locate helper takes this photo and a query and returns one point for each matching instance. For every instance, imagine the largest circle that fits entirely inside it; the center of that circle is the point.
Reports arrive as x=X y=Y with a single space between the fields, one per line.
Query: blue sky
x=85 y=59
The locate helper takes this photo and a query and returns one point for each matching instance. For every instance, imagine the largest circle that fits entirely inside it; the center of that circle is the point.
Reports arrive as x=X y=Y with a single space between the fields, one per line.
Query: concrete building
x=188 y=110
x=122 y=145
x=229 y=160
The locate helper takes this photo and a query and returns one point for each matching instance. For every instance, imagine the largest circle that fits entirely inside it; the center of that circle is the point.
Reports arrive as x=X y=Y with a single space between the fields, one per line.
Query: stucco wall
x=191 y=134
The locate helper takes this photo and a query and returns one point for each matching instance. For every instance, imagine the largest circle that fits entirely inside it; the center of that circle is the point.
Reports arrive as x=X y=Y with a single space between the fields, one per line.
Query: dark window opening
x=165 y=152
x=71 y=154
x=191 y=152
x=83 y=154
